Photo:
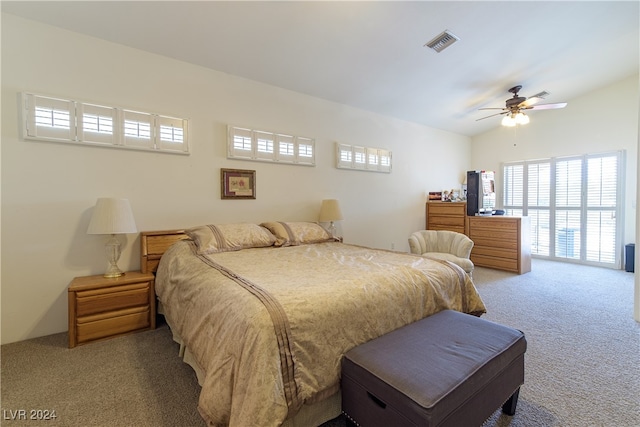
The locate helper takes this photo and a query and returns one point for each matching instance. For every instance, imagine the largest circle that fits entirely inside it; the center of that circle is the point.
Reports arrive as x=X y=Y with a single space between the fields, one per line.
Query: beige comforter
x=269 y=326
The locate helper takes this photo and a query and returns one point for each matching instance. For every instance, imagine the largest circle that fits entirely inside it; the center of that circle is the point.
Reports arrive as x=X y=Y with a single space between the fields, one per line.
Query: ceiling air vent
x=442 y=41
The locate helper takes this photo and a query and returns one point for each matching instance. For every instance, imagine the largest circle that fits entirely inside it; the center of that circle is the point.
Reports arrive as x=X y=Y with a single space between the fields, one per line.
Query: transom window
x=251 y=144
x=64 y=120
x=362 y=158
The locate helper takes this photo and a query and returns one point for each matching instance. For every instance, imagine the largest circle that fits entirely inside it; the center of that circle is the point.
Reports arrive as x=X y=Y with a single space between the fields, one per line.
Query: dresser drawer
x=495 y=242
x=457 y=229
x=494 y=252
x=112 y=323
x=446 y=220
x=499 y=263
x=486 y=233
x=447 y=208
x=113 y=298
x=450 y=216
x=493 y=223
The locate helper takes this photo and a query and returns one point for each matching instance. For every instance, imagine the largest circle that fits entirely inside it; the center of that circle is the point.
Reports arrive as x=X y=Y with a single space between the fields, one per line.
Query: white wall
x=48 y=190
x=603 y=120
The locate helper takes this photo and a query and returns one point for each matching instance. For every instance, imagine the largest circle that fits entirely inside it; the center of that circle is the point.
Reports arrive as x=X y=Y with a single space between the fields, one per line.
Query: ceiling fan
x=515 y=106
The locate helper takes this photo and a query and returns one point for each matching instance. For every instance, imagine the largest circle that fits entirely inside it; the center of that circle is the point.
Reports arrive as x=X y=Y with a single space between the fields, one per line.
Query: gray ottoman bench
x=449 y=369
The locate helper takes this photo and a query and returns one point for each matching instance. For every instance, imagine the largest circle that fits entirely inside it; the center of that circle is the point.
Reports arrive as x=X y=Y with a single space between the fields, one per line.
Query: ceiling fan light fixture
x=513 y=119
x=521 y=118
x=442 y=41
x=508 y=121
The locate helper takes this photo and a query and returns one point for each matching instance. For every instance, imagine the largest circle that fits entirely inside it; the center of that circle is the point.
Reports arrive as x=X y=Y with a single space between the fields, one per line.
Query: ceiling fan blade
x=547 y=106
x=492 y=109
x=529 y=102
x=493 y=115
x=534 y=99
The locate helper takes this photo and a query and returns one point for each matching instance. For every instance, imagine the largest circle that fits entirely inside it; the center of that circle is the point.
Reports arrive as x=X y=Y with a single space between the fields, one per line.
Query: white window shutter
x=264 y=146
x=97 y=124
x=138 y=129
x=264 y=143
x=372 y=159
x=573 y=203
x=385 y=160
x=344 y=156
x=49 y=118
x=363 y=158
x=62 y=120
x=305 y=151
x=172 y=134
x=285 y=148
x=359 y=157
x=239 y=143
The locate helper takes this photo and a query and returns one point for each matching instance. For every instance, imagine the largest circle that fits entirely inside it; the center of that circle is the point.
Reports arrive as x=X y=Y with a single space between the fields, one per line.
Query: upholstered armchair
x=443 y=244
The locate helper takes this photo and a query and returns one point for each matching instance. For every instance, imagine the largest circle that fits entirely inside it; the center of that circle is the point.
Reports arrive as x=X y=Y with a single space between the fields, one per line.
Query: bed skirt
x=309 y=415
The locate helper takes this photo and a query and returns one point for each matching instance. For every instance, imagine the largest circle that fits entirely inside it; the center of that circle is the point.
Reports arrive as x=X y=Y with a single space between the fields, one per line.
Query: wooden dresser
x=501 y=242
x=447 y=216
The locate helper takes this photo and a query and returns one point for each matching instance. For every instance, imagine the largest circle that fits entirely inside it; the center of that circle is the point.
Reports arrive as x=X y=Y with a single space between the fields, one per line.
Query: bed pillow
x=297 y=233
x=211 y=238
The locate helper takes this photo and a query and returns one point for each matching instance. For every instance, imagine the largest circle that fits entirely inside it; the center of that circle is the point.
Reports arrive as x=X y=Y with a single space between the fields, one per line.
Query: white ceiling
x=370 y=54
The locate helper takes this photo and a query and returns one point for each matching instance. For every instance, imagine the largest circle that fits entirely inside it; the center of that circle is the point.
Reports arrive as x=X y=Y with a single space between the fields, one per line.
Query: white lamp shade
x=330 y=211
x=521 y=119
x=508 y=121
x=112 y=216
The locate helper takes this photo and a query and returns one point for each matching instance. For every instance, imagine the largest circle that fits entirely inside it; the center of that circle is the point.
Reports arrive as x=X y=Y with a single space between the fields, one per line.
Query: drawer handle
x=377 y=401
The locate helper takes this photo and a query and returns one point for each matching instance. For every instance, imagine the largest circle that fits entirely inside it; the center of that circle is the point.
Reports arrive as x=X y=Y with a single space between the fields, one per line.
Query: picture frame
x=237 y=184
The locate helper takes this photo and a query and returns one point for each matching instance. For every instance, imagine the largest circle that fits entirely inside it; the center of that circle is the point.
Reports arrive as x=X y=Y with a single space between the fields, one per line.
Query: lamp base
x=113 y=274
x=332 y=229
x=112 y=248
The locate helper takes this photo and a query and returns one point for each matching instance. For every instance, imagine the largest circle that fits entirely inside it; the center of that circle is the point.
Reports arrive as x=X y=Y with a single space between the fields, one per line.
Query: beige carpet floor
x=582 y=362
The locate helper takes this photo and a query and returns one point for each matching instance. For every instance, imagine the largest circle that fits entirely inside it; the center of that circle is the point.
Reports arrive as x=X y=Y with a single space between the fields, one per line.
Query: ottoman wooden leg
x=509 y=406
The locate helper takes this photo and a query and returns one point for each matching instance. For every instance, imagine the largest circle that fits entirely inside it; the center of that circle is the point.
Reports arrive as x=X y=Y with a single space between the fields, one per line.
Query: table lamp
x=330 y=212
x=111 y=217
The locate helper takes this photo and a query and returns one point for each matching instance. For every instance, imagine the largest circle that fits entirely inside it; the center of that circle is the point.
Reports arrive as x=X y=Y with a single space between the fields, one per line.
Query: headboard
x=153 y=244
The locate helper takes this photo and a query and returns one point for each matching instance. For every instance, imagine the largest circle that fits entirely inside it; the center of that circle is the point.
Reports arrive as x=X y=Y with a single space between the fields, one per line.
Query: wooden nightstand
x=102 y=308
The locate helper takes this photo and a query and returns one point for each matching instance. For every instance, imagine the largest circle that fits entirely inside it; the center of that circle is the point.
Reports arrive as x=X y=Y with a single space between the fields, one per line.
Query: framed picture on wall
x=237 y=184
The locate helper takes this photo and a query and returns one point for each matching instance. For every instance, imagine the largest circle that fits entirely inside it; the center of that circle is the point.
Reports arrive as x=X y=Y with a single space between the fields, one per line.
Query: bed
x=264 y=313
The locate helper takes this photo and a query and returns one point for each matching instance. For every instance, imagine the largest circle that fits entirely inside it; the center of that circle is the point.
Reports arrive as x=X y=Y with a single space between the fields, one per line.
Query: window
x=359 y=157
x=286 y=148
x=249 y=144
x=305 y=148
x=137 y=129
x=573 y=203
x=362 y=158
x=53 y=118
x=49 y=119
x=345 y=155
x=97 y=124
x=242 y=142
x=265 y=143
x=62 y=120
